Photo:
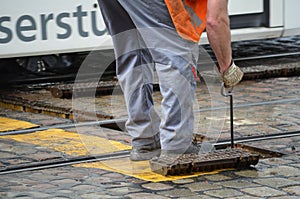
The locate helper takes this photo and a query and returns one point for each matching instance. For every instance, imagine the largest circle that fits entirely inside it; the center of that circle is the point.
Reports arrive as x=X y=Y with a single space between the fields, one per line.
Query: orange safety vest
x=189 y=17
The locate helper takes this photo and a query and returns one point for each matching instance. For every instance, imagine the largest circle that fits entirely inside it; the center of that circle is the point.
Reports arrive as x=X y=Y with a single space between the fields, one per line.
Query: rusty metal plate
x=219 y=159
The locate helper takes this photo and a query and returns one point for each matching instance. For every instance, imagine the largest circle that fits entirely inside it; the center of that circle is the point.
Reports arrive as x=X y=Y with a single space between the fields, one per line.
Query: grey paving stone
x=73 y=174
x=275 y=161
x=65 y=191
x=202 y=196
x=8 y=194
x=42 y=156
x=285 y=197
x=295 y=190
x=42 y=176
x=65 y=182
x=145 y=195
x=108 y=184
x=97 y=196
x=43 y=186
x=282 y=170
x=217 y=177
x=297 y=178
x=245 y=197
x=36 y=194
x=263 y=191
x=84 y=187
x=17 y=161
x=247 y=173
x=113 y=175
x=18 y=188
x=236 y=184
x=223 y=193
x=202 y=186
x=23 y=197
x=183 y=181
x=27 y=182
x=177 y=193
x=121 y=191
x=157 y=186
x=6 y=154
x=276 y=182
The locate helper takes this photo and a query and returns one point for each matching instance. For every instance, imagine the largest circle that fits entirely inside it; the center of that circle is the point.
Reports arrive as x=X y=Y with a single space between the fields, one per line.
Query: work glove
x=232 y=76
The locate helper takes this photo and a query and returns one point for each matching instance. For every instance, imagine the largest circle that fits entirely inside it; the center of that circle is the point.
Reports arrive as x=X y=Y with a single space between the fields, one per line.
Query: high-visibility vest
x=189 y=17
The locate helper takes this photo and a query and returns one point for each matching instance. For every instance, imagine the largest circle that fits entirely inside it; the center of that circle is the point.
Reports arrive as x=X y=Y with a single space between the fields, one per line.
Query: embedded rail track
x=115 y=122
x=229 y=158
x=122 y=154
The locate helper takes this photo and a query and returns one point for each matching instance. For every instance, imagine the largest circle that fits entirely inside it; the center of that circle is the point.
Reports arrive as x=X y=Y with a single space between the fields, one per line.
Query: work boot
x=146 y=152
x=172 y=155
x=192 y=149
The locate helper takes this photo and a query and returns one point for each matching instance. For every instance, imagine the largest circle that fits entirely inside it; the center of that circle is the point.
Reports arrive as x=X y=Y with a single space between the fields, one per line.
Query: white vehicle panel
x=292 y=17
x=276 y=13
x=237 y=7
x=43 y=27
x=40 y=27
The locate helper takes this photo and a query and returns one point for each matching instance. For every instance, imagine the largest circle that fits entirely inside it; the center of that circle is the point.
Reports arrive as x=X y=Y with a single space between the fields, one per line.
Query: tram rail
x=125 y=153
x=123 y=120
x=269 y=56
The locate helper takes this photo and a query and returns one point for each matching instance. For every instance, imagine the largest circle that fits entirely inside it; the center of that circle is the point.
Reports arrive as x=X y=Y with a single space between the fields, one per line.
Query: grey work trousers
x=145 y=40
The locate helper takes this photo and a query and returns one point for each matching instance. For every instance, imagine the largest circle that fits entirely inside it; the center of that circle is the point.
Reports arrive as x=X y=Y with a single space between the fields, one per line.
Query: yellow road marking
x=8 y=124
x=73 y=144
x=140 y=169
x=69 y=142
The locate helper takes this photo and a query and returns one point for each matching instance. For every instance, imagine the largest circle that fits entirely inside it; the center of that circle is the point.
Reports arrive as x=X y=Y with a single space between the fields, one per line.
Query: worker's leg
x=135 y=74
x=175 y=59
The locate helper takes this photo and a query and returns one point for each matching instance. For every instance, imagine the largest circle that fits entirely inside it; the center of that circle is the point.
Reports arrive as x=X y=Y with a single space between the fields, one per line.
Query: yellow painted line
x=140 y=169
x=70 y=143
x=8 y=124
x=75 y=144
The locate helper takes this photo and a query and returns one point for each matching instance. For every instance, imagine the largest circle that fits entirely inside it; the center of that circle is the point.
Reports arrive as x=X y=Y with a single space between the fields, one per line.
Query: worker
x=163 y=36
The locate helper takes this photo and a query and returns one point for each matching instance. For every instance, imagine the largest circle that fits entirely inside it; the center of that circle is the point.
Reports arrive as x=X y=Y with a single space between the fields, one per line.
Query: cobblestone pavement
x=270 y=178
x=277 y=111
x=262 y=107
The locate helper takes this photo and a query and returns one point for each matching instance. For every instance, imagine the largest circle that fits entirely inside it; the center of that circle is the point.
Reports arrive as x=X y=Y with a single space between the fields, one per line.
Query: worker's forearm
x=219 y=39
x=218 y=32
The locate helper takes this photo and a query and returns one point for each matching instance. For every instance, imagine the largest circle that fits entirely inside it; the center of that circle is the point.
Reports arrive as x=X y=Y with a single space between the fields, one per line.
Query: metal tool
x=229 y=94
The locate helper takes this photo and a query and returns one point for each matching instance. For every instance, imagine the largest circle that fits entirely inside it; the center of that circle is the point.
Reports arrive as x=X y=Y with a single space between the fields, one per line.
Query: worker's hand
x=232 y=76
